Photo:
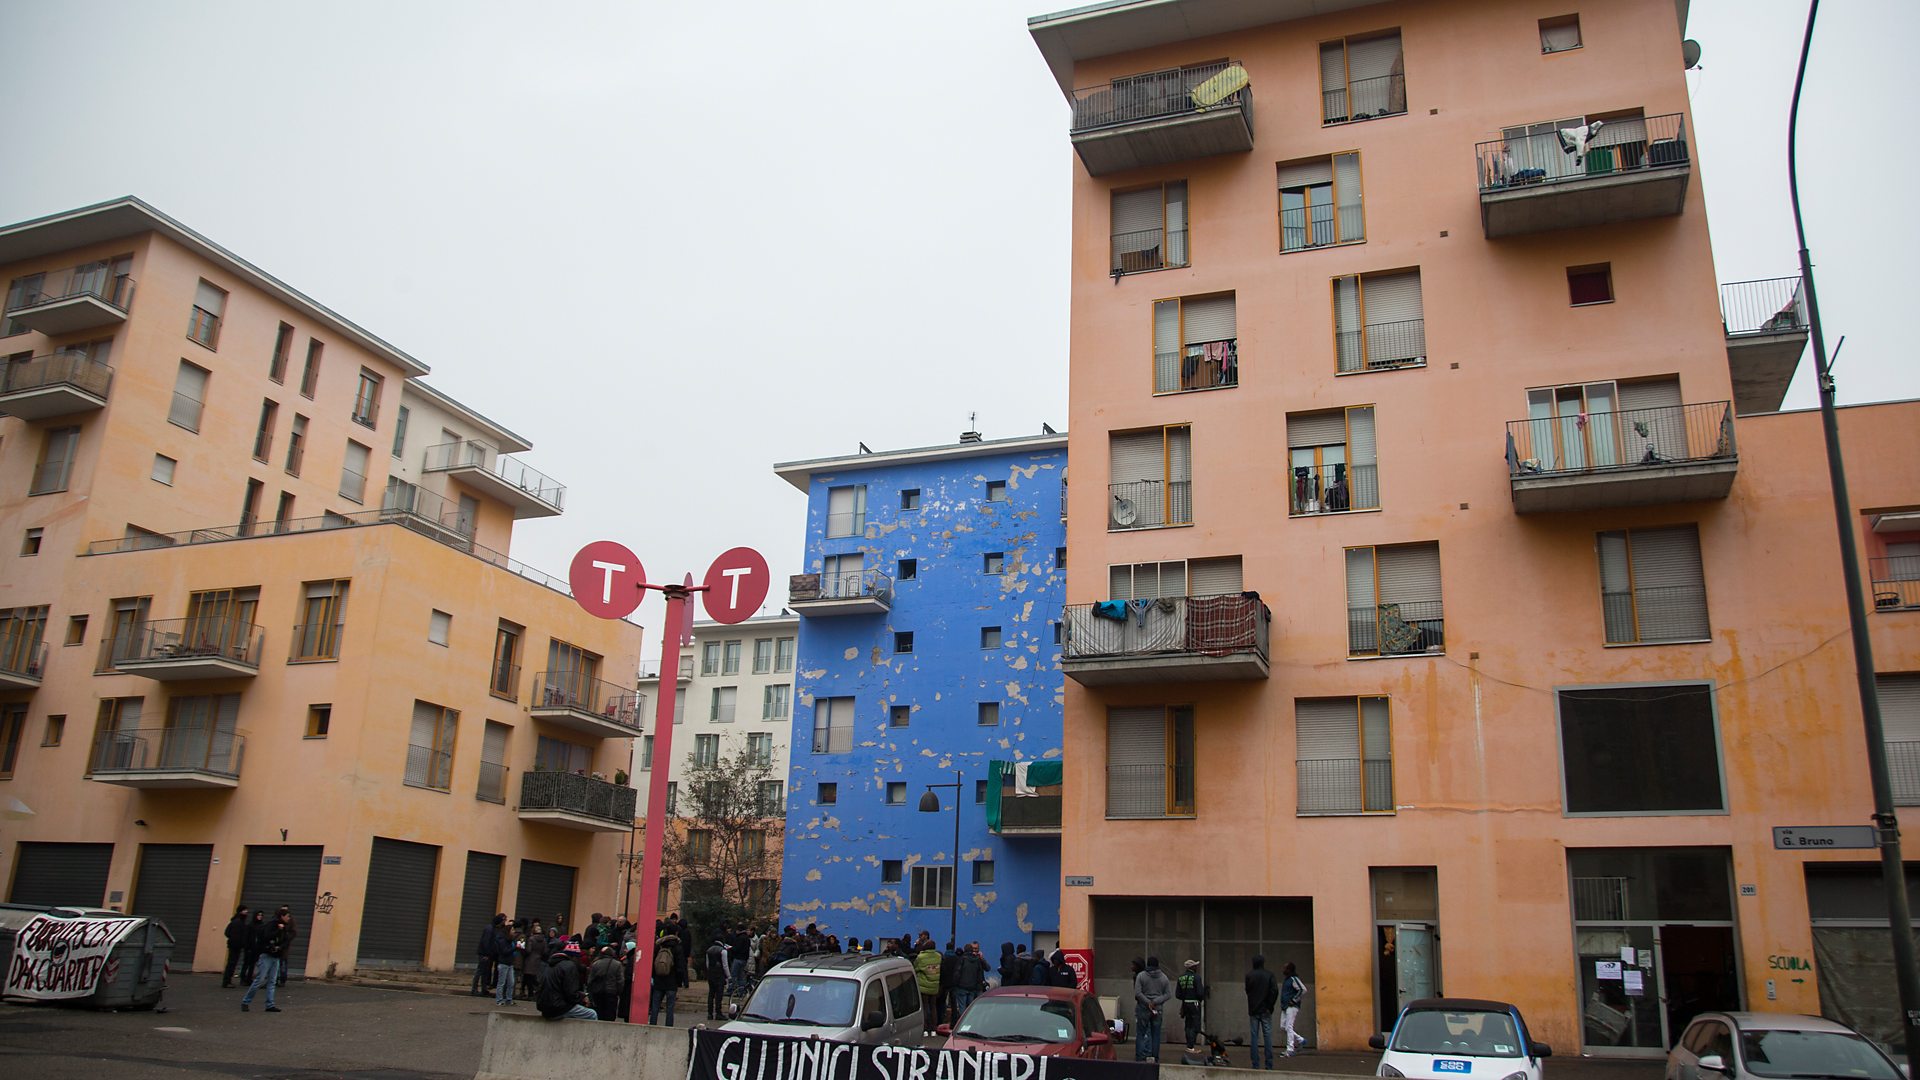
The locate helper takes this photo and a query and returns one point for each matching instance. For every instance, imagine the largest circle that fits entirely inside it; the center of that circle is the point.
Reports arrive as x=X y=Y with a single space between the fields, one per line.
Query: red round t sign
x=606 y=579
x=737 y=584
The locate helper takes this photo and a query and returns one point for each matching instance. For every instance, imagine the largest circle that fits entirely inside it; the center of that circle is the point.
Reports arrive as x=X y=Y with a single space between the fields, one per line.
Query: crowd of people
x=1153 y=989
x=257 y=950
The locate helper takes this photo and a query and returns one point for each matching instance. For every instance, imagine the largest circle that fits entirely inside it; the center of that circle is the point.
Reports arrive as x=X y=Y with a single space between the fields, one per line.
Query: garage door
x=289 y=875
x=399 y=905
x=71 y=874
x=479 y=902
x=1853 y=946
x=545 y=888
x=172 y=887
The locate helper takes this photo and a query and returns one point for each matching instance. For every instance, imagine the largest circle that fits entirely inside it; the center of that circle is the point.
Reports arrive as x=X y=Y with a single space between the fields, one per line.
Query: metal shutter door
x=171 y=887
x=479 y=901
x=1317 y=429
x=1209 y=319
x=1136 y=762
x=1411 y=576
x=1213 y=577
x=1669 y=592
x=64 y=875
x=1666 y=422
x=1306 y=173
x=284 y=875
x=399 y=904
x=546 y=889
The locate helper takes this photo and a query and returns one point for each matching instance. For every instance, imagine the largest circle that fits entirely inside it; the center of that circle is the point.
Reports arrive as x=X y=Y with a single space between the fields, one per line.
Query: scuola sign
x=62 y=958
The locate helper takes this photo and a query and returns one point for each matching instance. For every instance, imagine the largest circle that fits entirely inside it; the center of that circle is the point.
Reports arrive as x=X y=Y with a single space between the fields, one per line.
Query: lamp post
x=930 y=804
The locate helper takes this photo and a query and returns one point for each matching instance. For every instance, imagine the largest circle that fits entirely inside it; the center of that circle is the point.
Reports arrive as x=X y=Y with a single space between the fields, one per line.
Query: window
x=988 y=713
x=899 y=715
x=1590 y=284
x=730 y=659
x=1151 y=478
x=699 y=846
x=833 y=725
x=400 y=419
x=1334 y=461
x=1195 y=344
x=115 y=726
x=910 y=499
x=30 y=543
x=1379 y=322
x=1362 y=77
x=366 y=398
x=1642 y=749
x=55 y=467
x=1652 y=587
x=843 y=575
x=826 y=794
x=722 y=705
x=283 y=513
x=319 y=718
x=1201 y=577
x=492 y=785
x=783 y=655
x=558 y=755
x=127 y=619
x=56 y=730
x=189 y=396
x=1059 y=636
x=13 y=731
x=706 y=750
x=760 y=750
x=680 y=705
x=1150 y=228
x=686 y=666
x=773 y=702
x=163 y=467
x=710 y=658
x=932 y=887
x=22 y=631
x=439 y=625
x=990 y=637
x=1560 y=33
x=980 y=792
x=282 y=350
x=1393 y=600
x=209 y=304
x=762 y=655
x=1150 y=762
x=1900 y=725
x=1060 y=558
x=993 y=562
x=909 y=569
x=896 y=793
x=673 y=796
x=296 y=445
x=250 y=507
x=983 y=871
x=753 y=845
x=353 y=472
x=430 y=746
x=996 y=491
x=572 y=674
x=1533 y=153
x=310 y=375
x=847 y=510
x=902 y=641
x=263 y=437
x=76 y=630
x=1343 y=755
x=1320 y=202
x=322 y=611
x=891 y=871
x=23 y=292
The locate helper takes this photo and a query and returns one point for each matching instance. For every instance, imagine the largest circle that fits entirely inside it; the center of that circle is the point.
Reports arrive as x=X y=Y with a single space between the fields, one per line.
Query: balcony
x=1204 y=365
x=1161 y=117
x=1149 y=504
x=1332 y=489
x=1767 y=327
x=1403 y=628
x=169 y=757
x=1329 y=786
x=530 y=493
x=1382 y=346
x=588 y=706
x=23 y=658
x=842 y=592
x=69 y=301
x=1533 y=183
x=1896 y=583
x=59 y=384
x=1634 y=457
x=176 y=650
x=1169 y=640
x=573 y=801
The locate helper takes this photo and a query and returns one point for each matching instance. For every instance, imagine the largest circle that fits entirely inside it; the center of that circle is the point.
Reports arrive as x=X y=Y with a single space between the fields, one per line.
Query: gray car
x=840 y=997
x=1776 y=1046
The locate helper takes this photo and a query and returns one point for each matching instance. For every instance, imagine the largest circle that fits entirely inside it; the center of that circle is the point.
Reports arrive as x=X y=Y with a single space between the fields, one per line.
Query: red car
x=1053 y=1020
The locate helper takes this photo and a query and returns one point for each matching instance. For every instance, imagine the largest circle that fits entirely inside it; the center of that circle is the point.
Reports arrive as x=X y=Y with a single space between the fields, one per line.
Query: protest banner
x=62 y=958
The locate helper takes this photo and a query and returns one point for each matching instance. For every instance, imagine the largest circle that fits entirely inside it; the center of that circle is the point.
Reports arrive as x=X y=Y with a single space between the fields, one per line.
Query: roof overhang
x=129 y=217
x=504 y=439
x=800 y=473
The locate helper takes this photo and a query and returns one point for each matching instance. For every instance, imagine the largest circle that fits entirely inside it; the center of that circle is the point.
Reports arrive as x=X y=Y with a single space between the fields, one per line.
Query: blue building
x=929 y=655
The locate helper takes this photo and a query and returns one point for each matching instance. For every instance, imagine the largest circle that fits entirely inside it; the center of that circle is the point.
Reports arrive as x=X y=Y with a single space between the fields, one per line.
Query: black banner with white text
x=726 y=1055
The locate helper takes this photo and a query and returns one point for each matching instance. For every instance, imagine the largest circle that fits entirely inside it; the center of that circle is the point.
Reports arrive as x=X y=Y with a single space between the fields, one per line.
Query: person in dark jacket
x=533 y=973
x=256 y=934
x=949 y=964
x=1041 y=973
x=292 y=930
x=664 y=989
x=969 y=979
x=274 y=942
x=563 y=987
x=487 y=949
x=1006 y=965
x=1263 y=993
x=1192 y=992
x=716 y=980
x=236 y=944
x=628 y=953
x=603 y=984
x=510 y=955
x=685 y=931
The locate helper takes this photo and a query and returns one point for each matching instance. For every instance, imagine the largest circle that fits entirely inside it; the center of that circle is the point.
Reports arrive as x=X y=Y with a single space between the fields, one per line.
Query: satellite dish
x=1690 y=52
x=1124 y=513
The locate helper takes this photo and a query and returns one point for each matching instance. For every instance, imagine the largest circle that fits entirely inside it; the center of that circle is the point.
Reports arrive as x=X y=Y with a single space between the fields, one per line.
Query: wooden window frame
x=1333 y=184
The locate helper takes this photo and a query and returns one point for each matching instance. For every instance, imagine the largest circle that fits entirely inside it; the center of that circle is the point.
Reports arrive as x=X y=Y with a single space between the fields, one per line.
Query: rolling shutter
x=209 y=298
x=1363 y=459
x=290 y=875
x=1179 y=454
x=1346 y=196
x=479 y=901
x=1627 y=129
x=1317 y=429
x=1326 y=729
x=1392 y=298
x=1136 y=762
x=1346 y=317
x=1214 y=577
x=1669 y=590
x=1138 y=455
x=1660 y=405
x=420 y=751
x=1137 y=219
x=1312 y=173
x=1166 y=327
x=1374 y=58
x=1333 y=78
x=1900 y=706
x=1411 y=576
x=1209 y=319
x=1360 y=594
x=546 y=890
x=399 y=904
x=61 y=875
x=189 y=393
x=171 y=887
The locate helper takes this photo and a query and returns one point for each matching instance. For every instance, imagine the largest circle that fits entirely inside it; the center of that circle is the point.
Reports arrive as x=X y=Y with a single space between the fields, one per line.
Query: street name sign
x=1799 y=838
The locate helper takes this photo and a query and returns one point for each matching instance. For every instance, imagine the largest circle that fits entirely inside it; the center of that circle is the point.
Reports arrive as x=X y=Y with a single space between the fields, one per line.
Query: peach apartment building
x=1478 y=616
x=262 y=641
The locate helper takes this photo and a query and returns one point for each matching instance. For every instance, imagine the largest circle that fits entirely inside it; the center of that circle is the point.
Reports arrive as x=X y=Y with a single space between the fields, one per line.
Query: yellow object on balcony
x=1222 y=86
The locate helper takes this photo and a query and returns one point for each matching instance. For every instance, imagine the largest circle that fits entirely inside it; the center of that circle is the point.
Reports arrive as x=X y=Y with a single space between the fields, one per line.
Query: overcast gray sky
x=674 y=243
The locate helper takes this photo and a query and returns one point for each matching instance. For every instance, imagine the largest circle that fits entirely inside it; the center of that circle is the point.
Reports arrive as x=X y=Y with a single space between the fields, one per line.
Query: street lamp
x=930 y=804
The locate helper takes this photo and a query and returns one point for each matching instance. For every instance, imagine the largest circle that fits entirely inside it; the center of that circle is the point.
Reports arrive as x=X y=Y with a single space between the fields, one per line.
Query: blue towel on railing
x=1111 y=609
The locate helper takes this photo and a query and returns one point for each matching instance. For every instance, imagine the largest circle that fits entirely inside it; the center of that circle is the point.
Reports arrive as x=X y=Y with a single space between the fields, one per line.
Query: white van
x=840 y=997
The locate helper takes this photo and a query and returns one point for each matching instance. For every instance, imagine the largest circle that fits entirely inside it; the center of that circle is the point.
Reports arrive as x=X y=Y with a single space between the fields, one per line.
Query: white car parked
x=1460 y=1039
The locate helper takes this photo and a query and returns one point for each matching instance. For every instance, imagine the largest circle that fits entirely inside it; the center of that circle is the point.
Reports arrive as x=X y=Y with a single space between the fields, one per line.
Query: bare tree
x=723 y=843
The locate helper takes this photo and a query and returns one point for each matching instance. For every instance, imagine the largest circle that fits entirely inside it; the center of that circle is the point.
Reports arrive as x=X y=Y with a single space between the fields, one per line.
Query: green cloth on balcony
x=1037 y=774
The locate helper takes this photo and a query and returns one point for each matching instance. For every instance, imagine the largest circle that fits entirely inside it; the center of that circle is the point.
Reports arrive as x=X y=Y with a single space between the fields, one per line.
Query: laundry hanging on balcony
x=1028 y=778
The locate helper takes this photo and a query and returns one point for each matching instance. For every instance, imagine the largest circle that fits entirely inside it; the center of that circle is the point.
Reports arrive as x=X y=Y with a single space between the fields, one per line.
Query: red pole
x=678 y=596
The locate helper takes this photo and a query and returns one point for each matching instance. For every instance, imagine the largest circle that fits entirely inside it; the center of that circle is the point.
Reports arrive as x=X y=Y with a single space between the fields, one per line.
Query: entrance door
x=289 y=875
x=399 y=905
x=1696 y=974
x=1413 y=959
x=171 y=886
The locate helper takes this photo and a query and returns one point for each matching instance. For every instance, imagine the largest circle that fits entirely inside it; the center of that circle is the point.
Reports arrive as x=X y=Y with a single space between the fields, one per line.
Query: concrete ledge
x=522 y=1046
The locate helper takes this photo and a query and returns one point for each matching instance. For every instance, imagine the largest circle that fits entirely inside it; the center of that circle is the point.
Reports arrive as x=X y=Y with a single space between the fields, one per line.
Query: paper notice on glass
x=1607 y=969
x=1632 y=984
x=1626 y=955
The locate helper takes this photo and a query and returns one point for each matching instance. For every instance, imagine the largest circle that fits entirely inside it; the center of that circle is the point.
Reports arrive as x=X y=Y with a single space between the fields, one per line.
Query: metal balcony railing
x=1201 y=365
x=1379 y=346
x=1364 y=99
x=1344 y=786
x=572 y=792
x=1551 y=157
x=1033 y=812
x=862 y=584
x=847 y=523
x=1319 y=226
x=581 y=692
x=1623 y=440
x=23 y=653
x=1764 y=306
x=93 y=279
x=833 y=740
x=1225 y=625
x=1396 y=629
x=185 y=639
x=185 y=748
x=429 y=767
x=1332 y=489
x=1903 y=769
x=471 y=453
x=1149 y=249
x=1652 y=613
x=493 y=783
x=504 y=680
x=1148 y=791
x=1149 y=504
x=1896 y=582
x=1158 y=95
x=74 y=369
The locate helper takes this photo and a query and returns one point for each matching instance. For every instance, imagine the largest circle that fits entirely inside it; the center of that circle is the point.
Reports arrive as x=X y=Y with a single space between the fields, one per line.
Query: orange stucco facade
x=1478 y=798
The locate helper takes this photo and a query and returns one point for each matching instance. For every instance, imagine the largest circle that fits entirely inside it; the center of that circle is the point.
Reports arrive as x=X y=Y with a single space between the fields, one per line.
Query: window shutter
x=1180 y=454
x=1346 y=195
x=1627 y=129
x=1360 y=580
x=1361 y=448
x=493 y=745
x=1616 y=601
x=1136 y=219
x=1136 y=762
x=1138 y=455
x=1376 y=740
x=1559 y=38
x=1650 y=394
x=1669 y=591
x=840 y=501
x=1659 y=400
x=1411 y=575
x=1209 y=319
x=209 y=298
x=1333 y=76
x=1317 y=429
x=1120 y=582
x=1214 y=577
x=1326 y=730
x=1346 y=318
x=189 y=393
x=1374 y=58
x=1176 y=211
x=1900 y=706
x=1306 y=173
x=1392 y=298
x=1166 y=327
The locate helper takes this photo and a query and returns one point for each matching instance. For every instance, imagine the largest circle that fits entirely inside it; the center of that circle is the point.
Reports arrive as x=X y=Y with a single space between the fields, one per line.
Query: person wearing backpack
x=666 y=983
x=562 y=989
x=1191 y=990
x=716 y=980
x=1292 y=992
x=604 y=979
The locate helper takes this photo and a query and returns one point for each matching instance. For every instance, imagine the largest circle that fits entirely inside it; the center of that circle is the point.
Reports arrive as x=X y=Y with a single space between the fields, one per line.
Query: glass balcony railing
x=579 y=692
x=176 y=749
x=75 y=370
x=511 y=471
